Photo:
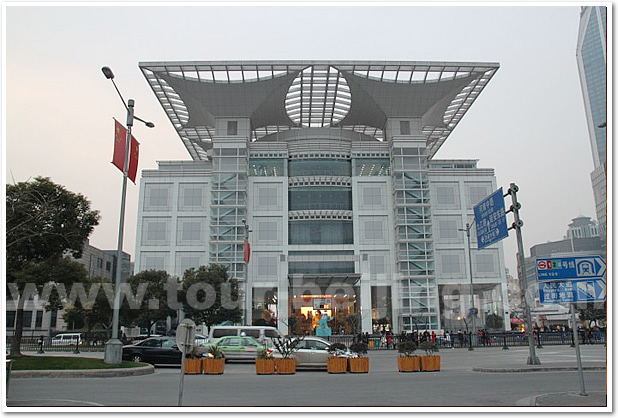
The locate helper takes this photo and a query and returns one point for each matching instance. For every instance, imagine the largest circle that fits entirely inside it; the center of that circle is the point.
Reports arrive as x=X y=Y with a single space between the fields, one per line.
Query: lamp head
x=108 y=73
x=150 y=124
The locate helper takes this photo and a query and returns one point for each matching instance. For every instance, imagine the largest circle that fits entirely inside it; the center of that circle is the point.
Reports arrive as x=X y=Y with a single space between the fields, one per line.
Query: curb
x=536 y=369
x=120 y=372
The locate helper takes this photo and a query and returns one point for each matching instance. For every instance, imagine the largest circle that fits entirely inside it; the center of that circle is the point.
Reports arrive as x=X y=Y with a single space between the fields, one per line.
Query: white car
x=312 y=352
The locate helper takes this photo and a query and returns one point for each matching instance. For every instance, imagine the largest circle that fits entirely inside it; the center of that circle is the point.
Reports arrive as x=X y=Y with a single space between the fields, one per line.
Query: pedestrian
x=460 y=337
x=447 y=339
x=433 y=337
x=389 y=341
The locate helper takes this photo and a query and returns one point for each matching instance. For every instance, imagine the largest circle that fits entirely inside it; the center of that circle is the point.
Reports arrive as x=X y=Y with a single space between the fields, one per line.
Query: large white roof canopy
x=281 y=95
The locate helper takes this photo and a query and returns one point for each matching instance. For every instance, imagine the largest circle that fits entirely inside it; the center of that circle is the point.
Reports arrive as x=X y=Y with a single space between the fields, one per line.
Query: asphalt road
x=384 y=387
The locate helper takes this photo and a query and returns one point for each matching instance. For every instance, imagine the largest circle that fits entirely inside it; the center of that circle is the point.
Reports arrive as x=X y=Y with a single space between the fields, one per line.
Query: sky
x=528 y=124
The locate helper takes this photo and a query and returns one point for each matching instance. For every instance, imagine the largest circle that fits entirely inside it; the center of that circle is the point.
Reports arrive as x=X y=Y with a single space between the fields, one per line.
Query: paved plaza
x=485 y=377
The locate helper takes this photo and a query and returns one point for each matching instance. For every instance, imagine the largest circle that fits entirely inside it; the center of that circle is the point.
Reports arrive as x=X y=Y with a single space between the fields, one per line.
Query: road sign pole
x=532 y=359
x=580 y=371
x=185 y=331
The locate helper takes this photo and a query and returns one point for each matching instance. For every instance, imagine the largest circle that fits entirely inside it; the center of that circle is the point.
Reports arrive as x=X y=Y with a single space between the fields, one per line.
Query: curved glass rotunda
x=329 y=168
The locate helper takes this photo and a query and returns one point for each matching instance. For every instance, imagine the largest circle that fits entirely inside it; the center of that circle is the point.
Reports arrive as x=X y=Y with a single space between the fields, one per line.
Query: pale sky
x=528 y=124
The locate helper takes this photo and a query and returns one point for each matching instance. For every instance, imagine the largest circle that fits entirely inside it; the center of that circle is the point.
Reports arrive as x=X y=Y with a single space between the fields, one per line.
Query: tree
x=98 y=310
x=209 y=296
x=591 y=313
x=151 y=302
x=44 y=222
x=494 y=321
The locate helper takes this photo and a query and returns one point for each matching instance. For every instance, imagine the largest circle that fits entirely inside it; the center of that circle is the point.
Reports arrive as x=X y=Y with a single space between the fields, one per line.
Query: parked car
x=263 y=334
x=67 y=339
x=238 y=348
x=312 y=353
x=153 y=350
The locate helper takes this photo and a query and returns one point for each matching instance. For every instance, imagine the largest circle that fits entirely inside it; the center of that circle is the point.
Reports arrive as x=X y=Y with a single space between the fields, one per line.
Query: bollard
x=504 y=347
x=76 y=346
x=40 y=346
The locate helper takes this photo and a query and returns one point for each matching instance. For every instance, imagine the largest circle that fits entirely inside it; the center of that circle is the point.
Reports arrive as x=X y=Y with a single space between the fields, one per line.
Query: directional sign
x=563 y=268
x=572 y=291
x=490 y=220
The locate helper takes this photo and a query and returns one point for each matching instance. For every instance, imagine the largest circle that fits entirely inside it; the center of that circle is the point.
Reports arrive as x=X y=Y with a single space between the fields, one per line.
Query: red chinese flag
x=247 y=252
x=133 y=159
x=120 y=145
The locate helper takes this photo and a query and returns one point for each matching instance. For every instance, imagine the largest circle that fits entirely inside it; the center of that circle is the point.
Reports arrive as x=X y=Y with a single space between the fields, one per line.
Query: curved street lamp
x=113 y=347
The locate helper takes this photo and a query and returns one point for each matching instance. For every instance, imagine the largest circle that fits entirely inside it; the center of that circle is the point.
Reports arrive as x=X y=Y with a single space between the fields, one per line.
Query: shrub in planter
x=193 y=363
x=337 y=363
x=360 y=363
x=407 y=361
x=214 y=362
x=286 y=364
x=265 y=362
x=430 y=362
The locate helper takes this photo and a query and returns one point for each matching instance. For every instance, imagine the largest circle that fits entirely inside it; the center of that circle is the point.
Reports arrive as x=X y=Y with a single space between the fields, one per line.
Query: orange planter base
x=265 y=366
x=430 y=363
x=337 y=365
x=213 y=366
x=359 y=365
x=193 y=366
x=285 y=365
x=409 y=364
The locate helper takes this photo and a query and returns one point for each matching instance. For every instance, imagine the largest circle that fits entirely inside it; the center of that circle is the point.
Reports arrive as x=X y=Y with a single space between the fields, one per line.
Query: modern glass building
x=328 y=168
x=591 y=55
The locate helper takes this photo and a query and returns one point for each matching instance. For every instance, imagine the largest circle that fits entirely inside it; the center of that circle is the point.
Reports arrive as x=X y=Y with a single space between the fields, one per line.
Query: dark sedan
x=154 y=350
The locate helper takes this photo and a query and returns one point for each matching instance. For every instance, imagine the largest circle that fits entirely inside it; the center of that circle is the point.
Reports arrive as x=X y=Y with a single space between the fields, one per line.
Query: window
x=451 y=264
x=27 y=319
x=232 y=127
x=191 y=197
x=190 y=231
x=108 y=266
x=267 y=267
x=404 y=127
x=53 y=319
x=38 y=322
x=10 y=319
x=372 y=196
x=374 y=230
x=476 y=194
x=449 y=229
x=157 y=197
x=267 y=198
x=268 y=231
x=485 y=263
x=156 y=231
x=377 y=264
x=445 y=195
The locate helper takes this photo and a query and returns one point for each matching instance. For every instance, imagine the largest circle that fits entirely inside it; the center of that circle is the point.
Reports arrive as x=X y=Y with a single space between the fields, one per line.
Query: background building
x=591 y=56
x=37 y=320
x=329 y=168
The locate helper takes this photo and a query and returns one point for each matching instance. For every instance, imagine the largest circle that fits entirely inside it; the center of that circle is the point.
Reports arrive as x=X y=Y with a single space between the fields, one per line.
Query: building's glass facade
x=348 y=215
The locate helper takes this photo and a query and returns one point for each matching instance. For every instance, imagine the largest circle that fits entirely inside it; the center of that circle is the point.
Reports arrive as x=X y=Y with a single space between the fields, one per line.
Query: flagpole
x=113 y=347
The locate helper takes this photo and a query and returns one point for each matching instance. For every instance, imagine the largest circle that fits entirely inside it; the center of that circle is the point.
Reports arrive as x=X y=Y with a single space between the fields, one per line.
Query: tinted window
x=150 y=343
x=255 y=333
x=169 y=343
x=249 y=343
x=271 y=333
x=231 y=341
x=218 y=333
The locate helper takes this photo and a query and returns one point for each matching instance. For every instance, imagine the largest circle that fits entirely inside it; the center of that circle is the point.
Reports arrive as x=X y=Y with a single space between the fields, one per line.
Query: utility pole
x=513 y=189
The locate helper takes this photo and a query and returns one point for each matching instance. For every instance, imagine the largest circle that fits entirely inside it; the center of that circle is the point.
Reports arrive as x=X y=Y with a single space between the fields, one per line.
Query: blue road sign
x=566 y=268
x=490 y=220
x=572 y=291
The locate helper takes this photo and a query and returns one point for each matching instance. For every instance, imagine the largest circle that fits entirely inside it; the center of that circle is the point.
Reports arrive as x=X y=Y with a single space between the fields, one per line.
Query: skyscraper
x=592 y=64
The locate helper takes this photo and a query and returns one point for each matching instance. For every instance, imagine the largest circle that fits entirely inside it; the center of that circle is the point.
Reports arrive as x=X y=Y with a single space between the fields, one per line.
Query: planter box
x=359 y=365
x=285 y=365
x=409 y=363
x=430 y=363
x=337 y=365
x=193 y=366
x=265 y=366
x=213 y=365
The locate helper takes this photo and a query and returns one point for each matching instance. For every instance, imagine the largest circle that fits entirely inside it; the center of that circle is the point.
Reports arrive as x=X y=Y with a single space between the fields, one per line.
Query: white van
x=263 y=334
x=67 y=339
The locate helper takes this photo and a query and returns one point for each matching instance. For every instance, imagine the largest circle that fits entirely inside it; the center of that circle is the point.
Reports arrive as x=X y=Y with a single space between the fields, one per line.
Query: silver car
x=312 y=353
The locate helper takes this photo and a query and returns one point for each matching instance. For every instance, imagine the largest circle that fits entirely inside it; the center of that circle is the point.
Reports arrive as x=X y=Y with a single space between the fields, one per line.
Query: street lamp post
x=113 y=347
x=473 y=311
